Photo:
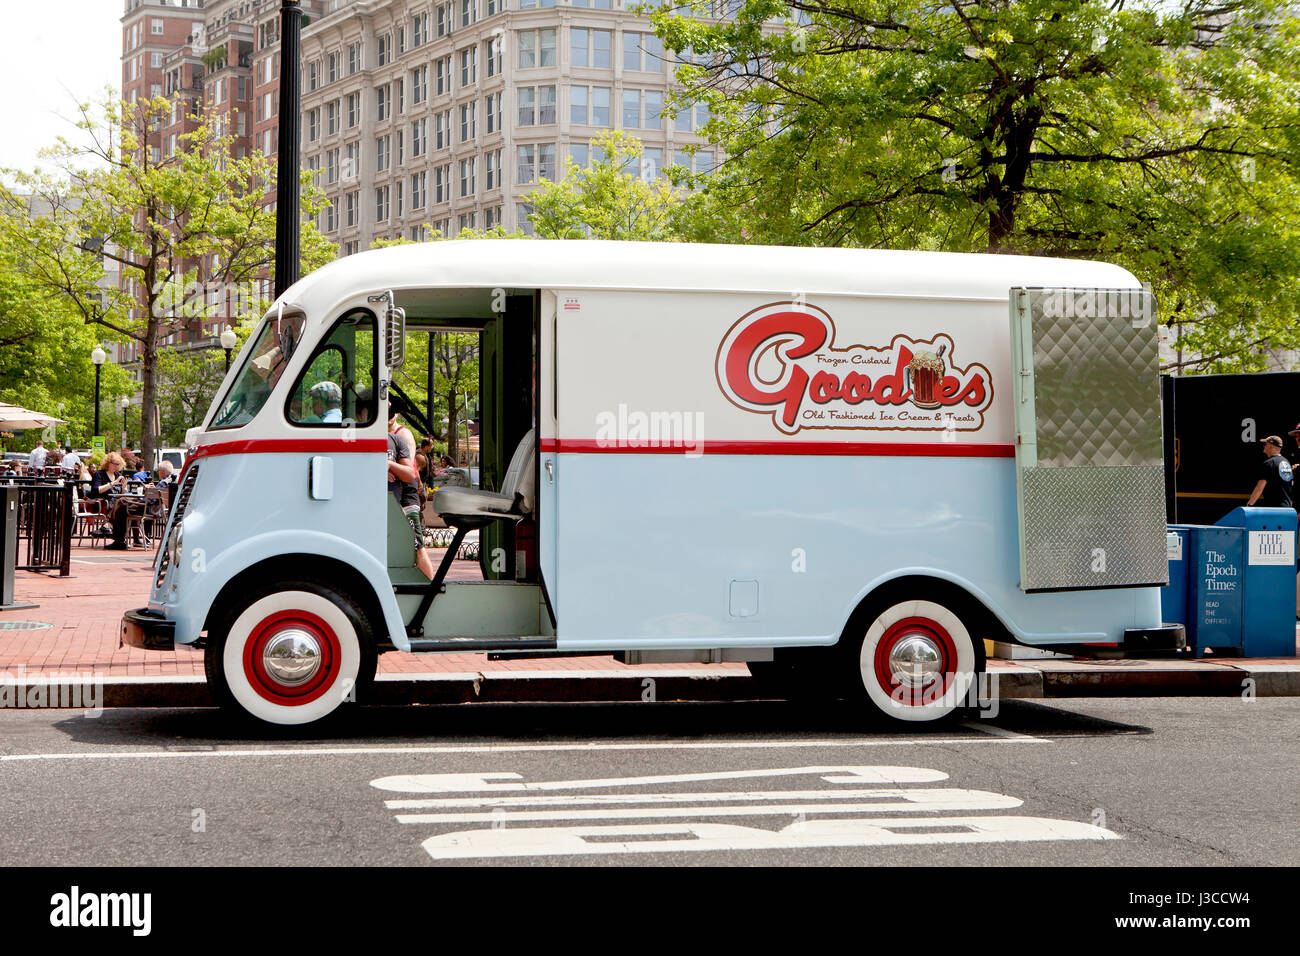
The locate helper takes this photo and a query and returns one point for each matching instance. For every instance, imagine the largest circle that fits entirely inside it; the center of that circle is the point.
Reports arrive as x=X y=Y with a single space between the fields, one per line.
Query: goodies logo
x=780 y=359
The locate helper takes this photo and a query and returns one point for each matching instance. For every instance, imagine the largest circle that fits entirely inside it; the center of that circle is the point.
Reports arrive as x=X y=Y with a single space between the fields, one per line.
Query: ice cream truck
x=863 y=462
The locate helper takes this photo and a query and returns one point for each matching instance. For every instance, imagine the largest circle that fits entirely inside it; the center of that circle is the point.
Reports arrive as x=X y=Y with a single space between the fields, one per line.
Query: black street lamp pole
x=286 y=188
x=96 y=400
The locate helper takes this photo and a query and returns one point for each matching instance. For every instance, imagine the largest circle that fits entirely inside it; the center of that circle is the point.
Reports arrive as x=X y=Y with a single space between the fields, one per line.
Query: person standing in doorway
x=1273 y=489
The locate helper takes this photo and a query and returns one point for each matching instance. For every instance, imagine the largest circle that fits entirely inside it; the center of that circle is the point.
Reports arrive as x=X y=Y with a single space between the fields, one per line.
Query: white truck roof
x=669 y=266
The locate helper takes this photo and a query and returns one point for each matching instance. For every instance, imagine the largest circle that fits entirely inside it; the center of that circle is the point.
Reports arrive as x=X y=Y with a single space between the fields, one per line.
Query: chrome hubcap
x=916 y=661
x=292 y=657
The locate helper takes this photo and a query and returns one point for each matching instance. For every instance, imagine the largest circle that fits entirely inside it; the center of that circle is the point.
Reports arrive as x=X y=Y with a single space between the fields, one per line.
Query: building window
x=468 y=170
x=352 y=161
x=589 y=47
x=384 y=48
x=523 y=223
x=468 y=121
x=313 y=74
x=492 y=113
x=442 y=75
x=443 y=21
x=419 y=29
x=546 y=161
x=350 y=204
x=332 y=166
x=382 y=153
x=419 y=141
x=493 y=7
x=466 y=221
x=468 y=12
x=332 y=69
x=643 y=51
x=332 y=118
x=156 y=27
x=527 y=166
x=468 y=66
x=492 y=164
x=536 y=105
x=492 y=55
x=652 y=163
x=631 y=109
x=441 y=130
x=313 y=125
x=580 y=155
x=155 y=60
x=381 y=103
x=419 y=84
x=537 y=48
x=381 y=204
x=442 y=184
x=354 y=58
x=418 y=182
x=354 y=109
x=589 y=105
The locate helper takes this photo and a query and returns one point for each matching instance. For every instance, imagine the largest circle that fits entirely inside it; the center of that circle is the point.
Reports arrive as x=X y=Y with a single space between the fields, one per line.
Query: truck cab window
x=273 y=348
x=337 y=388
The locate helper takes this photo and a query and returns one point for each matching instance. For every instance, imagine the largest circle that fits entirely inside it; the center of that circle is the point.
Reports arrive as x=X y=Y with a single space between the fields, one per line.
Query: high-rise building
x=448 y=112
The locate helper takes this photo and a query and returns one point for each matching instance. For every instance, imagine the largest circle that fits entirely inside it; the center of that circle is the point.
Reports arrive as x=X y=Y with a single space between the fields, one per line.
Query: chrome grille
x=178 y=512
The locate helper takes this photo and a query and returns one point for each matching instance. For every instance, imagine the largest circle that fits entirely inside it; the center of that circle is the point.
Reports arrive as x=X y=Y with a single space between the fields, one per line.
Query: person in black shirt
x=107 y=484
x=1273 y=490
x=402 y=478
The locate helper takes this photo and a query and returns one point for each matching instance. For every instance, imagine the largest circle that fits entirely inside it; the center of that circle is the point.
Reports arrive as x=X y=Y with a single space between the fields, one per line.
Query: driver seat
x=474 y=507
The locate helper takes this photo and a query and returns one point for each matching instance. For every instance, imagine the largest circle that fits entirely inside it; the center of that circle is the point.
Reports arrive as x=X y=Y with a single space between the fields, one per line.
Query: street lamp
x=126 y=404
x=97 y=357
x=228 y=340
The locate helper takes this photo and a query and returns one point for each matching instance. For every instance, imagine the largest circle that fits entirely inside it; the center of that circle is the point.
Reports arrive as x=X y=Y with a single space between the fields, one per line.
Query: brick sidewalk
x=84 y=612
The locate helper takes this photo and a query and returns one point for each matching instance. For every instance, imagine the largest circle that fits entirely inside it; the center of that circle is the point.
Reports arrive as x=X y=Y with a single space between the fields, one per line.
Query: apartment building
x=447 y=113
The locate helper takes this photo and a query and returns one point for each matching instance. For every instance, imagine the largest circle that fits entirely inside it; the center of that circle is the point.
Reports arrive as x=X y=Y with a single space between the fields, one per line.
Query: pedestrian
x=71 y=463
x=1273 y=489
x=402 y=477
x=36 y=460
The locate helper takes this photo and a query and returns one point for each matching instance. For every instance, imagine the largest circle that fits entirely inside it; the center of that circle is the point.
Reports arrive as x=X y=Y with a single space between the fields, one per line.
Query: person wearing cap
x=1273 y=489
x=327 y=402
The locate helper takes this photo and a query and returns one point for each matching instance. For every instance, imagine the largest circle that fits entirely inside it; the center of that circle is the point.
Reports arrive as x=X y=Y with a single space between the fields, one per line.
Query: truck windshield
x=273 y=347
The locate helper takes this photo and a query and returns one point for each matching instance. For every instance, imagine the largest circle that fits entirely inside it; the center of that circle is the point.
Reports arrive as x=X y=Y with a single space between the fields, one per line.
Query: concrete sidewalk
x=75 y=629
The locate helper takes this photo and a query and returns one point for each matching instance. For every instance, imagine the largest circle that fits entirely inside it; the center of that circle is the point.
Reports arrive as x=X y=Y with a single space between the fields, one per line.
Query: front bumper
x=148 y=629
x=1164 y=637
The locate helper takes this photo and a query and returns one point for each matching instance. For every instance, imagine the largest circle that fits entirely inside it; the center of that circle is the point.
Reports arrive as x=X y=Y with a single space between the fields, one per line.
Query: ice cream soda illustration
x=926 y=372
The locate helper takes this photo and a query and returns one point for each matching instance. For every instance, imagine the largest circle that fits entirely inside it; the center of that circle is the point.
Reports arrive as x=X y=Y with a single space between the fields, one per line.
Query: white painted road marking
x=494 y=798
x=906 y=802
x=698 y=837
x=527 y=748
x=482 y=782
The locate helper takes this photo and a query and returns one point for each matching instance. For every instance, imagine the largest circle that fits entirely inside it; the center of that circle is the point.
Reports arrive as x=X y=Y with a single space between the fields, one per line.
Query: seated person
x=107 y=485
x=450 y=476
x=327 y=403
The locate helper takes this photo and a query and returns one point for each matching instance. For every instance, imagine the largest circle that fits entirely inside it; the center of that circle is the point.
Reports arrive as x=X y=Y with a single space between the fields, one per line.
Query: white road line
x=1001 y=732
x=479 y=782
x=529 y=748
x=607 y=799
x=914 y=801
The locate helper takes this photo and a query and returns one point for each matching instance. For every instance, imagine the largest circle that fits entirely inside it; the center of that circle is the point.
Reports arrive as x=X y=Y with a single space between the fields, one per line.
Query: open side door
x=1089 y=465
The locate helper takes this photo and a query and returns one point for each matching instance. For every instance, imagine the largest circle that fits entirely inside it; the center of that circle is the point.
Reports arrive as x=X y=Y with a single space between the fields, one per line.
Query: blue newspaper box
x=1269 y=608
x=1174 y=595
x=1216 y=588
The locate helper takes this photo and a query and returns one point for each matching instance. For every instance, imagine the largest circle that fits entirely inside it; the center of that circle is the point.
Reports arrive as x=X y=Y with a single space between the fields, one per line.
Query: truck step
x=421 y=645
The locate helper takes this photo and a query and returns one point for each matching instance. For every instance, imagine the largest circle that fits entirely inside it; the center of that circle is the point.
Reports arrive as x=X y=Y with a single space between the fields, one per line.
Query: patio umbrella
x=15 y=418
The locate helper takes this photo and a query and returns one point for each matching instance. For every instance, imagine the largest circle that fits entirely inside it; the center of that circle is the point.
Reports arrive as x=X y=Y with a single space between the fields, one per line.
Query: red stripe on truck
x=914 y=449
x=286 y=446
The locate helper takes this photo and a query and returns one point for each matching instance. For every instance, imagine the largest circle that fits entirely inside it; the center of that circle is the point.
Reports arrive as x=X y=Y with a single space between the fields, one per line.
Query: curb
x=1013 y=682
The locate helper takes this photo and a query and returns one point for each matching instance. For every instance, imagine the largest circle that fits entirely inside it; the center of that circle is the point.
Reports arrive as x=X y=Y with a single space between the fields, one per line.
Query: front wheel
x=915 y=660
x=289 y=655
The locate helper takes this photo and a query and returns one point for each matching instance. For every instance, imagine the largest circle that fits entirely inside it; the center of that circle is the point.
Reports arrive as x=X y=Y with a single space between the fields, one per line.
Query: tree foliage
x=158 y=219
x=1161 y=136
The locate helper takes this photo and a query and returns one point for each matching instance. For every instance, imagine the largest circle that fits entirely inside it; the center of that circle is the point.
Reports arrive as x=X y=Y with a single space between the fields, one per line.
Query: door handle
x=550 y=470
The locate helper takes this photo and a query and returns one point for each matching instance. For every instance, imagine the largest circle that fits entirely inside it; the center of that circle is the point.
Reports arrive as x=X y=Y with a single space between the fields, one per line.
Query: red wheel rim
x=271 y=689
x=927 y=693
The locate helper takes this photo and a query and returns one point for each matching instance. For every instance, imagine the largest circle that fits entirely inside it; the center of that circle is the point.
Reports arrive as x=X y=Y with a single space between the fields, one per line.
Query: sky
x=58 y=54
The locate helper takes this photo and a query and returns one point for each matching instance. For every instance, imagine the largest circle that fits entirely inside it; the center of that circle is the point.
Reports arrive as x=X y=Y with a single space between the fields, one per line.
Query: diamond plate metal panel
x=1090 y=473
x=1093 y=527
x=1097 y=377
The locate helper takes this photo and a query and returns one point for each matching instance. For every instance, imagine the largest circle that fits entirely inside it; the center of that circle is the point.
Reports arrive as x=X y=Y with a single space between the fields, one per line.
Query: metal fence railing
x=45 y=519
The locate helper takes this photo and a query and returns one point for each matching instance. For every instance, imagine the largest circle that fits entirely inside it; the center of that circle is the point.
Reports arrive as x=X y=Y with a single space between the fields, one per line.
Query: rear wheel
x=914 y=659
x=290 y=654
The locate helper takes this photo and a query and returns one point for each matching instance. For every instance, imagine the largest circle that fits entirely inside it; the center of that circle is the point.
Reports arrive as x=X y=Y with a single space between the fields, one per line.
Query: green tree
x=159 y=220
x=44 y=347
x=1161 y=136
x=187 y=382
x=617 y=197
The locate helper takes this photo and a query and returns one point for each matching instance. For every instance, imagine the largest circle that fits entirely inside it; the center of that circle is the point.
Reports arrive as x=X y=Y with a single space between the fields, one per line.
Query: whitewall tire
x=917 y=661
x=292 y=656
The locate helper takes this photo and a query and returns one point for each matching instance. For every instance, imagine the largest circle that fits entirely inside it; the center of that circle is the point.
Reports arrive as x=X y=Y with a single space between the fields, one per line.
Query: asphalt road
x=1167 y=781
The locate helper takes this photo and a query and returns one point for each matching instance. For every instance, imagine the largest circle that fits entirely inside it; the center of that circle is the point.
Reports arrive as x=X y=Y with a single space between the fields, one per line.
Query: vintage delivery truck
x=690 y=452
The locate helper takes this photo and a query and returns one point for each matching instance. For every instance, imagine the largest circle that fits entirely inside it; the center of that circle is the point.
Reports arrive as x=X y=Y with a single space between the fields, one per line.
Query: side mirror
x=395 y=341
